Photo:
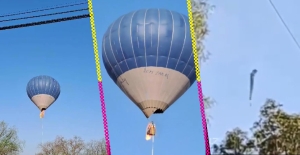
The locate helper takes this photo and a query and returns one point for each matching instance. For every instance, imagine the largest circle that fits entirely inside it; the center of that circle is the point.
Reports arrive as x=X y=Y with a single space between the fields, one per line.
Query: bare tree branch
x=74 y=146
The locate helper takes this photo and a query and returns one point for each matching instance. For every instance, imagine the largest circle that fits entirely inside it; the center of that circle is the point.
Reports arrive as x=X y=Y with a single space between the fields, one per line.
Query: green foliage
x=275 y=133
x=208 y=103
x=201 y=9
x=9 y=141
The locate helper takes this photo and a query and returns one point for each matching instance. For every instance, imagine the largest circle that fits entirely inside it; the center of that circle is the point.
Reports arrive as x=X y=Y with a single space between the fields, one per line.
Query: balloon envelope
x=148 y=54
x=43 y=91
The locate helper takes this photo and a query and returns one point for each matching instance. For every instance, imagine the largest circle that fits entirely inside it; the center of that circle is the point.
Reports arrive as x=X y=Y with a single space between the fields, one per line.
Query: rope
x=44 y=15
x=43 y=9
x=44 y=22
x=99 y=77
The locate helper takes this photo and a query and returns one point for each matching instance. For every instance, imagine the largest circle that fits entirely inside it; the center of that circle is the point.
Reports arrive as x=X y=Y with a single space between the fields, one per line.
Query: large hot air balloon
x=43 y=91
x=148 y=54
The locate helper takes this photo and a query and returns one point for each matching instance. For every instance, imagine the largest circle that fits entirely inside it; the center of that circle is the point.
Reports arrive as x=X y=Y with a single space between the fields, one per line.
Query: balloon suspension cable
x=42 y=130
x=42 y=114
x=152 y=145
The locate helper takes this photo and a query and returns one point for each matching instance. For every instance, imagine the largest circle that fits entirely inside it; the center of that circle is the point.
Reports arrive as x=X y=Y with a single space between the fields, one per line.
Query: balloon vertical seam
x=98 y=70
x=197 y=71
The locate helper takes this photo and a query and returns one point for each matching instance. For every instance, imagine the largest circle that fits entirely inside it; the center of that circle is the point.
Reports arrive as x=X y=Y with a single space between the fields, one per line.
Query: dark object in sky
x=252 y=82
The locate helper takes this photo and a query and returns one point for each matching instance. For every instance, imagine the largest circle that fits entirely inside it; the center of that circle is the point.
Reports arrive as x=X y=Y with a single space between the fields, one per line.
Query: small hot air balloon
x=148 y=54
x=43 y=91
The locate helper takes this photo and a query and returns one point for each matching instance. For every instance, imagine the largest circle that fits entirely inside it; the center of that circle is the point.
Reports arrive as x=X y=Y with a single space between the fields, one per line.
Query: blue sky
x=247 y=35
x=64 y=51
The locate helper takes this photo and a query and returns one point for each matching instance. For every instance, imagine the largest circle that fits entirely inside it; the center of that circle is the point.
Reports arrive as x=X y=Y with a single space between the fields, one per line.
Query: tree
x=9 y=141
x=275 y=133
x=236 y=142
x=74 y=146
x=200 y=10
x=208 y=103
x=95 y=148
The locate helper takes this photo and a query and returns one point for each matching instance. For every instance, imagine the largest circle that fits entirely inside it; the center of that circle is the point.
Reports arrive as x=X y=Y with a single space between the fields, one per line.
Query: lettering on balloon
x=157 y=73
x=123 y=80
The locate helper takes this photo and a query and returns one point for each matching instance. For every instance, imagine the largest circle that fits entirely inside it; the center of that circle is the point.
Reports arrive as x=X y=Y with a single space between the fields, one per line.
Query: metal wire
x=45 y=22
x=44 y=9
x=285 y=25
x=44 y=15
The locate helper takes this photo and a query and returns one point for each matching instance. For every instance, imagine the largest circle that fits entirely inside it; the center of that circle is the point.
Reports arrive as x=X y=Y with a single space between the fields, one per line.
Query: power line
x=283 y=22
x=44 y=9
x=44 y=15
x=45 y=22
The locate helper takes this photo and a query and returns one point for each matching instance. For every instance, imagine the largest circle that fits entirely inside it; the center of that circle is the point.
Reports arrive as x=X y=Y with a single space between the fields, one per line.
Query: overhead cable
x=45 y=22
x=285 y=25
x=44 y=15
x=44 y=9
